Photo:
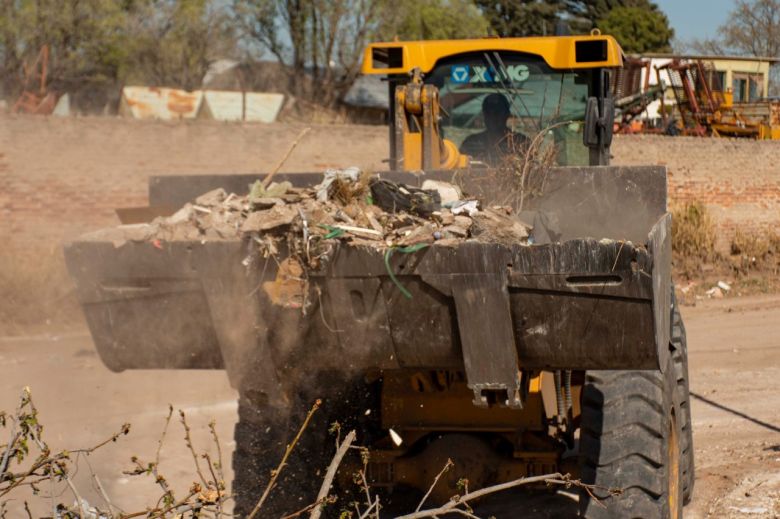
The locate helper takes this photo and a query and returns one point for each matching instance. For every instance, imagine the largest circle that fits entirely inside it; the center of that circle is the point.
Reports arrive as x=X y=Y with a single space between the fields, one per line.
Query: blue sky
x=696 y=19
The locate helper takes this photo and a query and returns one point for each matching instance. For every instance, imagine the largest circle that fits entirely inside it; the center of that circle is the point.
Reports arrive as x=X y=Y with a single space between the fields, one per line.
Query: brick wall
x=738 y=180
x=61 y=177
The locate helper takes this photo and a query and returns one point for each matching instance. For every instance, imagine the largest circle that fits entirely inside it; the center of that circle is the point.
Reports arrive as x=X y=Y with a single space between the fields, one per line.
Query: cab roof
x=560 y=52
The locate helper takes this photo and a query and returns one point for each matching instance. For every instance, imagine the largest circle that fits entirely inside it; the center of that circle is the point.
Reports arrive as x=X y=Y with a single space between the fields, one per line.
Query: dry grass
x=751 y=266
x=693 y=239
x=754 y=251
x=36 y=290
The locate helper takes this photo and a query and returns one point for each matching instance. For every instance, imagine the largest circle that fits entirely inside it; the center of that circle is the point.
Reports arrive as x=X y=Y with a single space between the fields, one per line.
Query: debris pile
x=348 y=205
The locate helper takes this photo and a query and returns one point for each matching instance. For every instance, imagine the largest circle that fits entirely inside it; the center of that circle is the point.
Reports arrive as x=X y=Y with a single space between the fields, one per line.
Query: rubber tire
x=680 y=360
x=624 y=443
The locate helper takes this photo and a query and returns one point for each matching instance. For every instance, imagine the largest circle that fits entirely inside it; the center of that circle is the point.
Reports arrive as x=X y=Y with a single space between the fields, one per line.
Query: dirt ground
x=735 y=369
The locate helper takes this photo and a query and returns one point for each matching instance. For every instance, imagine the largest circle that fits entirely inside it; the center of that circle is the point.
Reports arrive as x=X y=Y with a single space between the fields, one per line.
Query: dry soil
x=734 y=362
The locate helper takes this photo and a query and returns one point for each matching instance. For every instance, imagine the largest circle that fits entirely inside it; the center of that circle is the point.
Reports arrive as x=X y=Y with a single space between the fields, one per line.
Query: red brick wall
x=738 y=180
x=61 y=177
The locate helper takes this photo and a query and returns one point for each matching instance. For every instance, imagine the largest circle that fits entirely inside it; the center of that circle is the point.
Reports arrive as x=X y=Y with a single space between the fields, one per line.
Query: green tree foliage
x=433 y=20
x=84 y=38
x=96 y=45
x=638 y=29
x=540 y=17
x=522 y=17
x=586 y=14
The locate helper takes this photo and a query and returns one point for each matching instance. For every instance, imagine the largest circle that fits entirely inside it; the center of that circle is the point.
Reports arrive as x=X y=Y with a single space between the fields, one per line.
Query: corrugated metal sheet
x=159 y=103
x=237 y=106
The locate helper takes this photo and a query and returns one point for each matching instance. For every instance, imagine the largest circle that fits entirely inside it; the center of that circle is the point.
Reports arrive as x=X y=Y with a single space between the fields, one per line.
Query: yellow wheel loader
x=564 y=354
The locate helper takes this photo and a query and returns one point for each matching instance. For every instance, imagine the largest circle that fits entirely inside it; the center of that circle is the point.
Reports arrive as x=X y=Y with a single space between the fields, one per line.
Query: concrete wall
x=62 y=177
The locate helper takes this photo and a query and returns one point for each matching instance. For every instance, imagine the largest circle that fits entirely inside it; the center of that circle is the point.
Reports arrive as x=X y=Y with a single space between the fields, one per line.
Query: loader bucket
x=592 y=292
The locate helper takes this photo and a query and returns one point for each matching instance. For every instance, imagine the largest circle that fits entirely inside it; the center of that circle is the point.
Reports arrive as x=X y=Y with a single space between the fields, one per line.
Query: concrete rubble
x=350 y=206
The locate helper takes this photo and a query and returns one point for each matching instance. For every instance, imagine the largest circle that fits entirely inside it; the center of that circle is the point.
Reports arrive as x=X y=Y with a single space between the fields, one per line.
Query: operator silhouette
x=497 y=141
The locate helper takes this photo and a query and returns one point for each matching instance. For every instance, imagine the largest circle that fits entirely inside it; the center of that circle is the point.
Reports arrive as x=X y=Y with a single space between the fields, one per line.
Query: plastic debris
x=448 y=193
x=469 y=207
x=257 y=190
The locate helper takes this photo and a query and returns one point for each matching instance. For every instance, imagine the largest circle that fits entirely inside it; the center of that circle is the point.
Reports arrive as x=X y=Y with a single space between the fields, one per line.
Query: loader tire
x=680 y=360
x=630 y=439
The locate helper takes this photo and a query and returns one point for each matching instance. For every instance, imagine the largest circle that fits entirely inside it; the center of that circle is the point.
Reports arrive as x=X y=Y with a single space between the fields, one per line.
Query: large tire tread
x=623 y=443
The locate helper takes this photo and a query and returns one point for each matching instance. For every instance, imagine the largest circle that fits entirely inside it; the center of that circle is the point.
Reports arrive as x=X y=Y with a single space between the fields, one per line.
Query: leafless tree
x=172 y=42
x=752 y=29
x=320 y=42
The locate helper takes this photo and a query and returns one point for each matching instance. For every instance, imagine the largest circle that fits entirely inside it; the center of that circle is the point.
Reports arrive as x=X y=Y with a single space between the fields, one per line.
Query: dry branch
x=59 y=467
x=447 y=466
x=452 y=505
x=287 y=452
x=331 y=473
x=269 y=176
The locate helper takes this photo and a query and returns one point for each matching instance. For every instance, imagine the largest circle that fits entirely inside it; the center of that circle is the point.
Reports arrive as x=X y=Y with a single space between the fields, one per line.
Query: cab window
x=518 y=92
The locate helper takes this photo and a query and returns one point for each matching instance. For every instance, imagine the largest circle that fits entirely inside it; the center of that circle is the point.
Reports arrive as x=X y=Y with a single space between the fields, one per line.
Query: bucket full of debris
x=363 y=271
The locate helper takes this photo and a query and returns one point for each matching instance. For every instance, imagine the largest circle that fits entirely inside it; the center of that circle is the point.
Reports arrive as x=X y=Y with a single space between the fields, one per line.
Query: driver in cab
x=497 y=141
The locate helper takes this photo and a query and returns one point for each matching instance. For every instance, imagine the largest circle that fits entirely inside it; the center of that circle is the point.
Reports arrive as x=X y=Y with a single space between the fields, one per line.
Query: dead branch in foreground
x=207 y=494
x=287 y=452
x=27 y=461
x=460 y=504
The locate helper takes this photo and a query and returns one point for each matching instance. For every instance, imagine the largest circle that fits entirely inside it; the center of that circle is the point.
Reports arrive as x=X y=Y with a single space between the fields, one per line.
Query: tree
x=753 y=29
x=638 y=30
x=84 y=39
x=96 y=45
x=586 y=14
x=540 y=17
x=522 y=17
x=433 y=20
x=173 y=42
x=320 y=42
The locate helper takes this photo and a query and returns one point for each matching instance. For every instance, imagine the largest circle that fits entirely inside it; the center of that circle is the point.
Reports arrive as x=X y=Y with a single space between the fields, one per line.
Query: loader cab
x=554 y=91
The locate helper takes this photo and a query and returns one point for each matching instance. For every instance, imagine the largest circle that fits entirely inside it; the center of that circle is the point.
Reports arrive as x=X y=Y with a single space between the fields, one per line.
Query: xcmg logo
x=482 y=74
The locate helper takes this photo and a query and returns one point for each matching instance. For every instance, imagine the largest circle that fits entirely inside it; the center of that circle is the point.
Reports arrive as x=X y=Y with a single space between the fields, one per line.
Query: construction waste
x=348 y=206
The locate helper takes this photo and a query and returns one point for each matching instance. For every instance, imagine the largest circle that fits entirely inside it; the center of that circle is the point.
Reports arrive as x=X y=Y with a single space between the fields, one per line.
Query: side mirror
x=590 y=133
x=598 y=123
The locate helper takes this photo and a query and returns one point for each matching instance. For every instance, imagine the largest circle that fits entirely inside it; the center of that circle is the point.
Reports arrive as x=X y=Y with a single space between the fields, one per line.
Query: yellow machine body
x=560 y=52
x=417 y=141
